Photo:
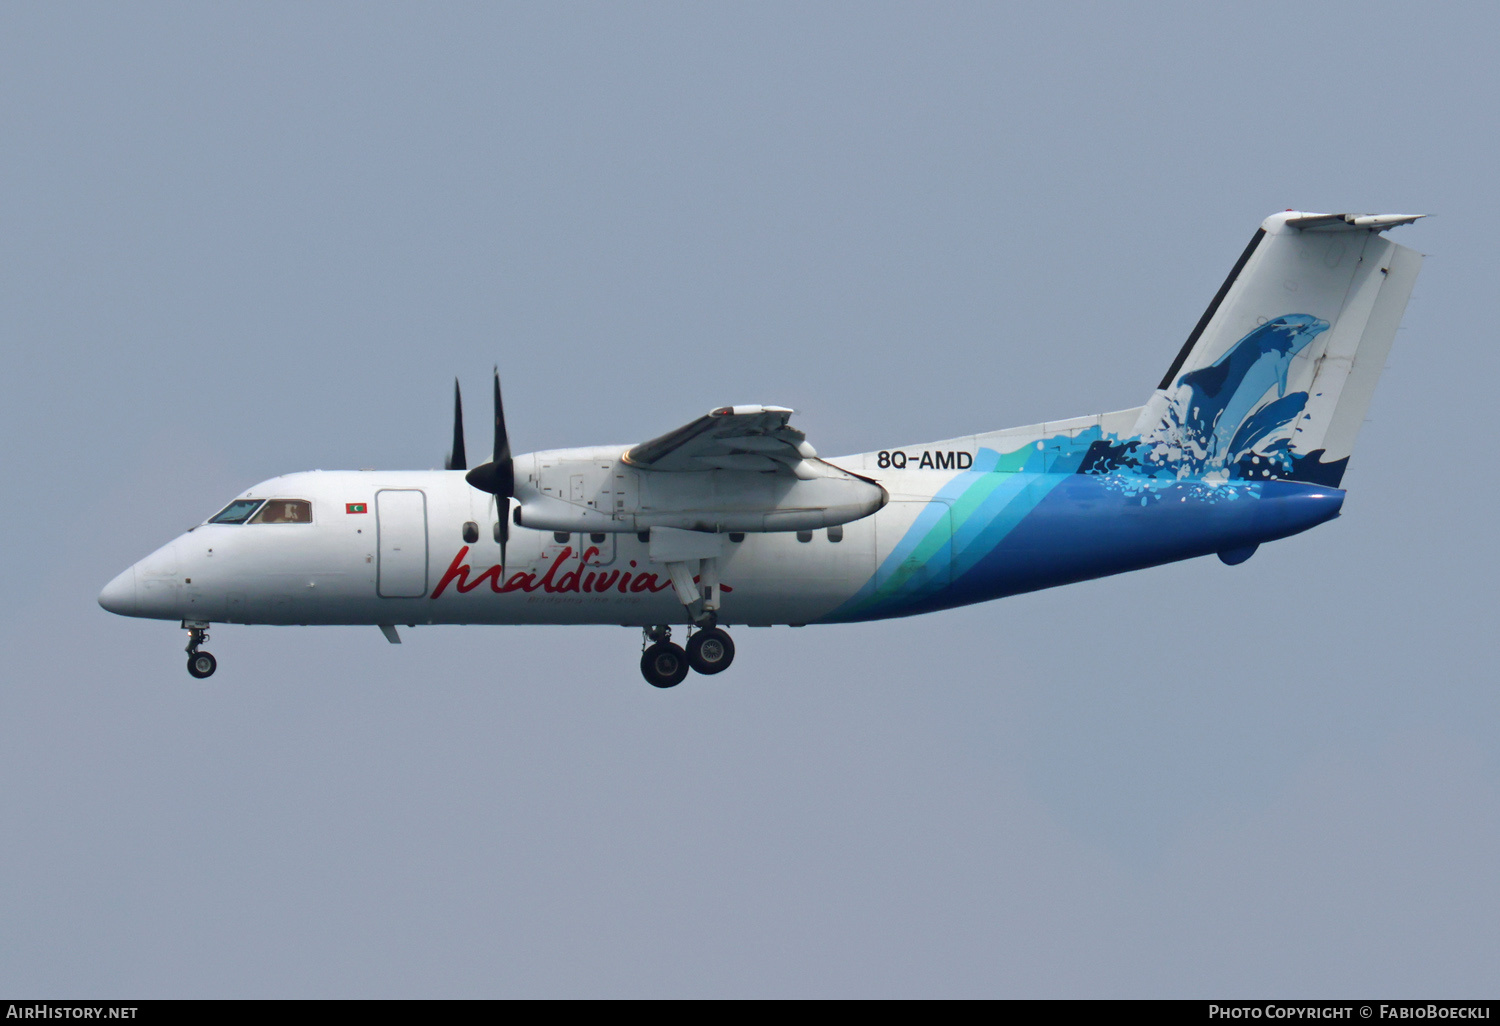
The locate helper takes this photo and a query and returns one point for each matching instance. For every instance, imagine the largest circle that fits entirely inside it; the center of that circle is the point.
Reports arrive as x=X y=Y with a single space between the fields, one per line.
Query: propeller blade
x=498 y=477
x=504 y=525
x=502 y=439
x=457 y=458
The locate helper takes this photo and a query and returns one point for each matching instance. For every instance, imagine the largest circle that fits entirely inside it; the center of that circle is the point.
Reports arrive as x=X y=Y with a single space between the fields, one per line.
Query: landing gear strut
x=665 y=665
x=200 y=664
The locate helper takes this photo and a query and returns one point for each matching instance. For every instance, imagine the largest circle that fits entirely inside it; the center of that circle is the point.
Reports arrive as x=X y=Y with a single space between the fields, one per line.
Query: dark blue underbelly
x=1088 y=526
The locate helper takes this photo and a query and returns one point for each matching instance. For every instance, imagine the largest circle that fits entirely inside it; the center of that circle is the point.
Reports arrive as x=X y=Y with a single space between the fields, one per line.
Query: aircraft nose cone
x=119 y=595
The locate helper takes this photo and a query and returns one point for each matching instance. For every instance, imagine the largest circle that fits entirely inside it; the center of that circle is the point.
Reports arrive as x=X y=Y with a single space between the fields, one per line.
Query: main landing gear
x=665 y=665
x=710 y=650
x=693 y=564
x=200 y=664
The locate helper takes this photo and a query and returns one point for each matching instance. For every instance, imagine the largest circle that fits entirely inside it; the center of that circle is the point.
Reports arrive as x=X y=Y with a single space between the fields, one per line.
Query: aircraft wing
x=753 y=438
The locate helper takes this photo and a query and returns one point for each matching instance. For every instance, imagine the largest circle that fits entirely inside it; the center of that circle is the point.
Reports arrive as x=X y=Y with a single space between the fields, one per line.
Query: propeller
x=498 y=477
x=457 y=459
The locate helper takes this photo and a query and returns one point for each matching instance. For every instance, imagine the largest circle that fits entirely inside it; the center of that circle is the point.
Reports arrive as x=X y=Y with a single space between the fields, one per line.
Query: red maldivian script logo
x=579 y=579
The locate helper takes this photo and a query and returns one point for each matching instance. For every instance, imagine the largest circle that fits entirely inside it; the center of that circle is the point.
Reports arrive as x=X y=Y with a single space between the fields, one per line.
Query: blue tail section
x=1245 y=441
x=1213 y=472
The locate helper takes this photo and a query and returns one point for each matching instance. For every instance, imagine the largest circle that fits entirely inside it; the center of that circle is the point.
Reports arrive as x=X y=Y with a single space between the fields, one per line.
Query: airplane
x=734 y=518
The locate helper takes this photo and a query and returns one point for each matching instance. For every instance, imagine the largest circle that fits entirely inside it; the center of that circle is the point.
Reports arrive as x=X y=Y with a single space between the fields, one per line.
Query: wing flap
x=750 y=438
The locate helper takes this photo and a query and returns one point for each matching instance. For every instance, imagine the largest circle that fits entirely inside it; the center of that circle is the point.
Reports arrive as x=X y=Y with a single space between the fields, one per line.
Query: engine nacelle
x=594 y=490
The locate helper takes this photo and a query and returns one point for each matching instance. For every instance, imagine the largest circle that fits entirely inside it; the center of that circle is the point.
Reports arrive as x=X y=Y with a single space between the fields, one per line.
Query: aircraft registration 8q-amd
x=734 y=518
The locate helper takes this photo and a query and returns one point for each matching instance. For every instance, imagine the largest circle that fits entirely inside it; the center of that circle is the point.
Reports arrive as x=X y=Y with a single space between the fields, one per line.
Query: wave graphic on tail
x=1233 y=420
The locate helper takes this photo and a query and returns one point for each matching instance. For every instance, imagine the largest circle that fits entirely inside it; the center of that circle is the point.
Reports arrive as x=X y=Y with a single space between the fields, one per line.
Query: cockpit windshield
x=284 y=511
x=237 y=512
x=265 y=511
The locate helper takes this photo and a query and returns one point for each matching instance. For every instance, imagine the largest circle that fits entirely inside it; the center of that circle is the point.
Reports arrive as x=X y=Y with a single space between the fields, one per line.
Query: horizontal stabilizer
x=1349 y=222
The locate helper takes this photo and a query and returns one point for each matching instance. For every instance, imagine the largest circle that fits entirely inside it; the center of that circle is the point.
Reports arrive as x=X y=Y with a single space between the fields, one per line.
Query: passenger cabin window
x=284 y=511
x=471 y=532
x=237 y=512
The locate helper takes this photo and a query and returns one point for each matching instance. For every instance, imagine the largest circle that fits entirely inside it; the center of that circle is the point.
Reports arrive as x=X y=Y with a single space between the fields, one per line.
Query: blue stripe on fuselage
x=1088 y=526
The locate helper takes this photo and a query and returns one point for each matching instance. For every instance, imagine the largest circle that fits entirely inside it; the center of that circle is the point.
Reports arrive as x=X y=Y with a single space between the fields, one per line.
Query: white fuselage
x=401 y=558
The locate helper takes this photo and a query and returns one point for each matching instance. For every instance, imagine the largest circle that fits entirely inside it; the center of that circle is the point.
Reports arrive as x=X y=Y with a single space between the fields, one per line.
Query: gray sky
x=242 y=240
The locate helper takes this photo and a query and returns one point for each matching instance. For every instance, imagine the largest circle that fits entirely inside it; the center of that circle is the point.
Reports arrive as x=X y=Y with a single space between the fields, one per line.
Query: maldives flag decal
x=355 y=507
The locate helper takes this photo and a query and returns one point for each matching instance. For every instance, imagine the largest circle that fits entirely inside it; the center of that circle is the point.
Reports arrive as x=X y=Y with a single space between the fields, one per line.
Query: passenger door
x=401 y=527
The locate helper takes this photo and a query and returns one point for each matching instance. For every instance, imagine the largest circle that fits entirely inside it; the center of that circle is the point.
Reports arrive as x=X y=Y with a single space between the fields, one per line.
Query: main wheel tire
x=202 y=664
x=664 y=665
x=710 y=650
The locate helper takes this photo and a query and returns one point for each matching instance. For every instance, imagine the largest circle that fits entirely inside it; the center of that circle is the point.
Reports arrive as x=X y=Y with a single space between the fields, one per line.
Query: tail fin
x=1275 y=379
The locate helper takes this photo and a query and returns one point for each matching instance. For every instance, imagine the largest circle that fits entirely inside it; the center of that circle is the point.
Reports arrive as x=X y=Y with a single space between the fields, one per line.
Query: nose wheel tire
x=202 y=664
x=664 y=665
x=710 y=650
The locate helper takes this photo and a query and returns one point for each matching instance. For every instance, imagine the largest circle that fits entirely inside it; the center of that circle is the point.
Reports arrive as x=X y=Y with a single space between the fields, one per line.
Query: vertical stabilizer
x=1275 y=379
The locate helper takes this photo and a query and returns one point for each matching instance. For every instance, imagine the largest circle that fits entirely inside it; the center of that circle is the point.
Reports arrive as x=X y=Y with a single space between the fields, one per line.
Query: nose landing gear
x=199 y=664
x=665 y=664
